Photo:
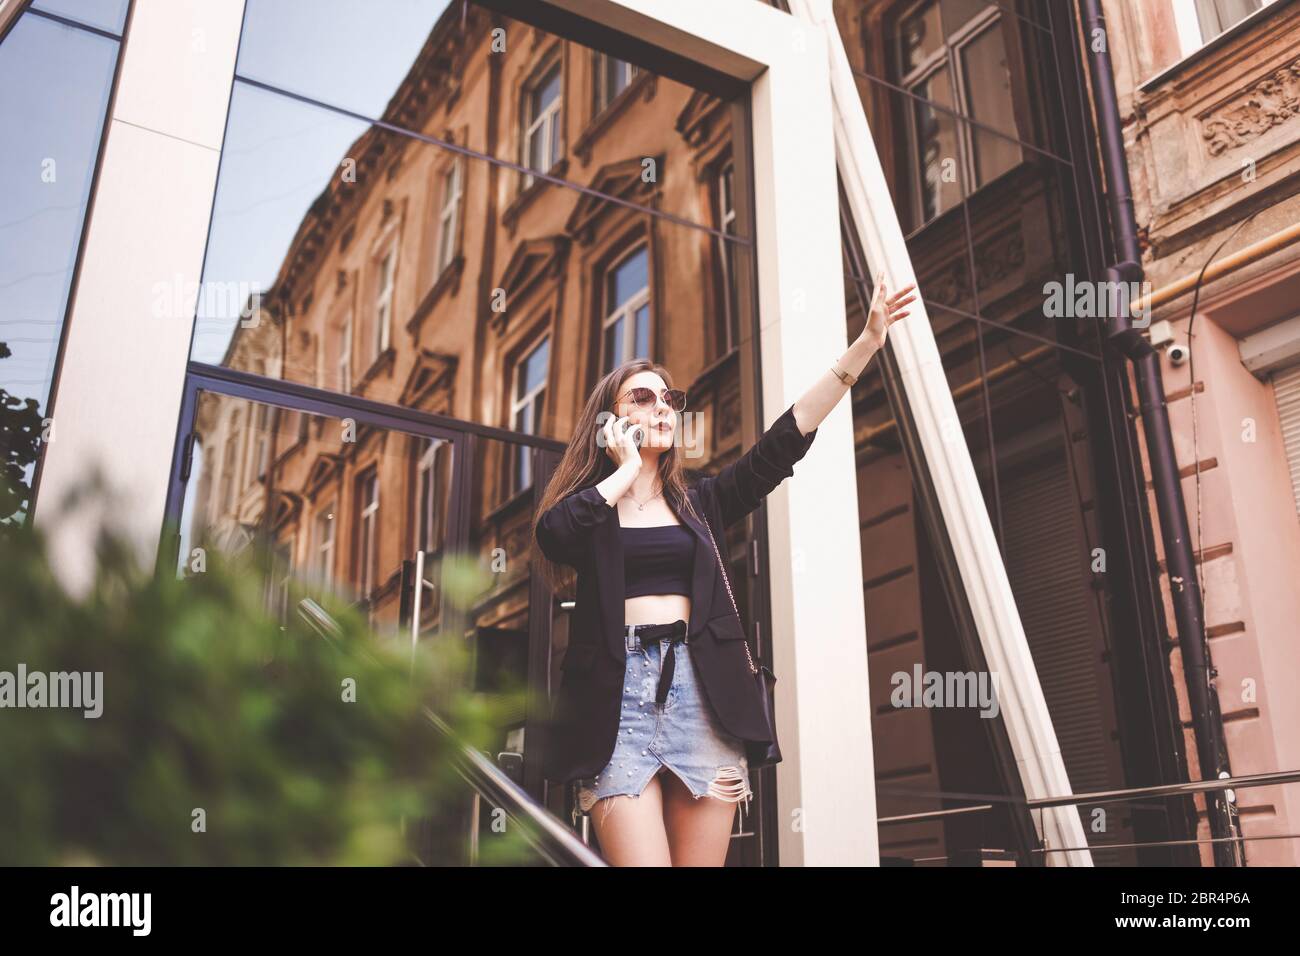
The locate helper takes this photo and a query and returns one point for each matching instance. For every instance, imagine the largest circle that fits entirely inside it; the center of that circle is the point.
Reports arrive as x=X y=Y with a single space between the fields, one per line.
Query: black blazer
x=582 y=530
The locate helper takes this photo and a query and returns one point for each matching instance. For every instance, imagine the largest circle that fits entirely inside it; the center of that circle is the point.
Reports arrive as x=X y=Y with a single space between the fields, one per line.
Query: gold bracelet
x=845 y=377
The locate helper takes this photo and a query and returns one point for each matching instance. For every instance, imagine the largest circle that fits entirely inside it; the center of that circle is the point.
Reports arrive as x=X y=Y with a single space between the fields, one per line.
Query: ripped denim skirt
x=666 y=724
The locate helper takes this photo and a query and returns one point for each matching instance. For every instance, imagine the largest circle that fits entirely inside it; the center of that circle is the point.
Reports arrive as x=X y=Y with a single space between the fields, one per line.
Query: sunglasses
x=642 y=397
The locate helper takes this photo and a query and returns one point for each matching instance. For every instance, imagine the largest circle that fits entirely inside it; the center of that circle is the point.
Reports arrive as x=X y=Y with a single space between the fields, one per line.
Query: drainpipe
x=1183 y=582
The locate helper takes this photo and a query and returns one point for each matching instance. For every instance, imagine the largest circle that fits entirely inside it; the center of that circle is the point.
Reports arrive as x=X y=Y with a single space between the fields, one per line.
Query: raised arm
x=741 y=486
x=812 y=407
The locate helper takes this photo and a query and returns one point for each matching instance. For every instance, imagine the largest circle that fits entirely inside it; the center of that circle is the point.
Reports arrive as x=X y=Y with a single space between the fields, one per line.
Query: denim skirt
x=681 y=735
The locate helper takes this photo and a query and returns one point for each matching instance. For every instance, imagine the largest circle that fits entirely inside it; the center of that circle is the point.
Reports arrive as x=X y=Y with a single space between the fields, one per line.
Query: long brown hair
x=585 y=463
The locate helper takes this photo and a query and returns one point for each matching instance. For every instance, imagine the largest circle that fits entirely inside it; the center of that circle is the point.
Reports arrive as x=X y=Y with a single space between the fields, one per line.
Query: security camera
x=1177 y=354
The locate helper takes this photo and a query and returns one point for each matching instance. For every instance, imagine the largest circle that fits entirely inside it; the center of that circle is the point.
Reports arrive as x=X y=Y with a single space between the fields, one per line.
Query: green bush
x=213 y=710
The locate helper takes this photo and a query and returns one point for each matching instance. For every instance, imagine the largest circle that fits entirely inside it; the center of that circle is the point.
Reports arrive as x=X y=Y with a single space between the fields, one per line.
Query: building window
x=626 y=324
x=542 y=122
x=954 y=60
x=323 y=545
x=1200 y=21
x=282 y=577
x=229 y=466
x=345 y=355
x=527 y=399
x=429 y=485
x=1286 y=391
x=384 y=302
x=449 y=216
x=262 y=440
x=611 y=77
x=1215 y=16
x=367 y=530
x=724 y=196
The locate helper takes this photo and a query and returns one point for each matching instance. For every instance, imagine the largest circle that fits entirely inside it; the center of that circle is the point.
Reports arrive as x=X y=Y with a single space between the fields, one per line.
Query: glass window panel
x=938 y=245
x=424 y=67
x=107 y=15
x=642 y=333
x=344 y=524
x=935 y=149
x=909 y=624
x=1018 y=95
x=957 y=13
x=629 y=277
x=547 y=92
x=535 y=366
x=1032 y=273
x=55 y=82
x=987 y=83
x=920 y=36
x=499 y=610
x=1051 y=524
x=310 y=202
x=1216 y=16
x=613 y=345
x=617 y=74
x=330 y=51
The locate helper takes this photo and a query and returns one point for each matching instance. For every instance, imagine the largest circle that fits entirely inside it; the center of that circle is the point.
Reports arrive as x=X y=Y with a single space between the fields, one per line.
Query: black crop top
x=658 y=560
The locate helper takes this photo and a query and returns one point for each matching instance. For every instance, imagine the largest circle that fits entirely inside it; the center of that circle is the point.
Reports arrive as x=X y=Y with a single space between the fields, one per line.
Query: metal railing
x=544 y=833
x=1127 y=795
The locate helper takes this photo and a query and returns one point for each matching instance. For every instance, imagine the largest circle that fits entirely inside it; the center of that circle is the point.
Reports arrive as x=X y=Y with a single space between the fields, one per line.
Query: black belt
x=674 y=633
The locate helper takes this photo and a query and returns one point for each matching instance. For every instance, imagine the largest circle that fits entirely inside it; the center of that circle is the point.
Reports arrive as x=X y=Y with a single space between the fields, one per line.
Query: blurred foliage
x=212 y=703
x=20 y=436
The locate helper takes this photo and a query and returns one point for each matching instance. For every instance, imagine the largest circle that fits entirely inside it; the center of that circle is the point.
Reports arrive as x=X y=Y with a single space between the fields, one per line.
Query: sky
x=279 y=152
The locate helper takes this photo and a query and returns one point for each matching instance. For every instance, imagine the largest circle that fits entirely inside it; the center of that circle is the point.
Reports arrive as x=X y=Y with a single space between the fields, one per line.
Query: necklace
x=641 y=506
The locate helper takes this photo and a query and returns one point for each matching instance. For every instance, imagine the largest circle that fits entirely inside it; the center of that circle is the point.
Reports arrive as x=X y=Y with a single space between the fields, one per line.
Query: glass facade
x=56 y=78
x=498 y=188
x=444 y=213
x=966 y=106
x=454 y=214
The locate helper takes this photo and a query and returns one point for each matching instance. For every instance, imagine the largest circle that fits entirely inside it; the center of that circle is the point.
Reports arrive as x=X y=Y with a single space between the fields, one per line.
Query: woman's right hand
x=620 y=442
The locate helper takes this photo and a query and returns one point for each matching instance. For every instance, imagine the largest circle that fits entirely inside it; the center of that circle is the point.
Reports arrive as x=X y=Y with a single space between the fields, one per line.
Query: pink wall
x=1250 y=537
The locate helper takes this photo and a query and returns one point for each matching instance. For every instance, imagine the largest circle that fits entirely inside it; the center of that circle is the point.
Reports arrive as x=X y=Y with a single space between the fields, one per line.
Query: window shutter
x=1286 y=388
x=1048 y=563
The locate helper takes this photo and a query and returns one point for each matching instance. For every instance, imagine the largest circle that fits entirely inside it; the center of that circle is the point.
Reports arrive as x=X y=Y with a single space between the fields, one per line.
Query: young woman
x=657 y=703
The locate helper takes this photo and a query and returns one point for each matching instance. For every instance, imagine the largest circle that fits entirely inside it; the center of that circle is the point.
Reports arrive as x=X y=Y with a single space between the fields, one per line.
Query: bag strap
x=723 y=568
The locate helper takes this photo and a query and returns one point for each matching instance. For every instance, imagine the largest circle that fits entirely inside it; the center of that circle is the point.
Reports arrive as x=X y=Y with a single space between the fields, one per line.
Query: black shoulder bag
x=757 y=753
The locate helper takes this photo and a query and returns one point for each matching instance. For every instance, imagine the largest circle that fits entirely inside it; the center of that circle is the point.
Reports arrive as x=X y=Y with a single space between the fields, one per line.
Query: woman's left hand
x=885 y=311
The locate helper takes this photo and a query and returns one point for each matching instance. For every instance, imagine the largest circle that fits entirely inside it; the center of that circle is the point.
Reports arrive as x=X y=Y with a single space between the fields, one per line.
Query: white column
x=979 y=561
x=128 y=336
x=826 y=790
